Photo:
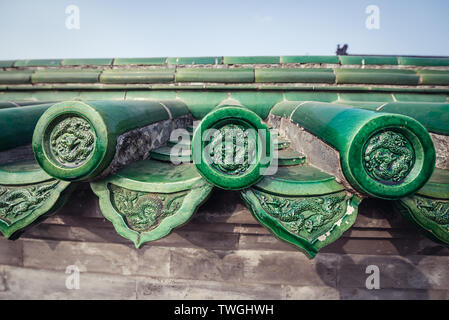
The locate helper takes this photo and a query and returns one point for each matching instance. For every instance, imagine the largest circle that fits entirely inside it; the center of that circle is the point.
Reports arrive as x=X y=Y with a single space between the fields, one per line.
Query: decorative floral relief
x=305 y=216
x=17 y=202
x=144 y=211
x=434 y=210
x=232 y=149
x=72 y=141
x=388 y=157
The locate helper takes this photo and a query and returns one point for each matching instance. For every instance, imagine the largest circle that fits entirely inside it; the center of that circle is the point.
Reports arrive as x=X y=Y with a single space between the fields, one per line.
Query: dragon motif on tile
x=144 y=211
x=434 y=210
x=388 y=157
x=72 y=141
x=304 y=215
x=232 y=149
x=17 y=202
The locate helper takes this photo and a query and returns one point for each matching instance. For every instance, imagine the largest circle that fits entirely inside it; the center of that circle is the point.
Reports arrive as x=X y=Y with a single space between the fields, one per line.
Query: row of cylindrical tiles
x=380 y=154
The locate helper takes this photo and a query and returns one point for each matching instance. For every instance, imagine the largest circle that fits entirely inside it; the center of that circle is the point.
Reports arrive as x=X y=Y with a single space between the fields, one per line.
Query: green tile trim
x=195 y=60
x=376 y=76
x=368 y=60
x=139 y=61
x=6 y=63
x=421 y=61
x=310 y=59
x=86 y=62
x=138 y=76
x=214 y=75
x=374 y=96
x=295 y=75
x=251 y=60
x=65 y=76
x=15 y=77
x=308 y=96
x=434 y=77
x=38 y=63
x=413 y=97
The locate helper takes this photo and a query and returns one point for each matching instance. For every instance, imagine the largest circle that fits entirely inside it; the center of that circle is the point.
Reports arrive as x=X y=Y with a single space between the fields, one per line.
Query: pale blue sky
x=31 y=29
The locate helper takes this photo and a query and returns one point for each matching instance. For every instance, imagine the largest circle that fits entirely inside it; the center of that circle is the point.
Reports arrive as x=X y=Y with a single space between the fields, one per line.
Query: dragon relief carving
x=388 y=157
x=144 y=211
x=16 y=202
x=307 y=215
x=72 y=141
x=232 y=149
x=434 y=210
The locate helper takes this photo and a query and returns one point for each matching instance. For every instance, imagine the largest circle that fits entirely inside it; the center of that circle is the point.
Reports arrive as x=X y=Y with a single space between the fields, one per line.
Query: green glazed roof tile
x=377 y=76
x=309 y=96
x=150 y=94
x=259 y=102
x=295 y=75
x=139 y=61
x=422 y=61
x=177 y=107
x=414 y=97
x=6 y=63
x=137 y=76
x=38 y=63
x=310 y=59
x=102 y=95
x=434 y=77
x=195 y=60
x=65 y=76
x=290 y=157
x=368 y=60
x=15 y=77
x=201 y=103
x=368 y=96
x=251 y=60
x=214 y=75
x=86 y=62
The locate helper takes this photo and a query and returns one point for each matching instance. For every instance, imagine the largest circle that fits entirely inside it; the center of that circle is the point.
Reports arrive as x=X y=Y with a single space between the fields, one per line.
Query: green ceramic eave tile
x=165 y=154
x=65 y=76
x=195 y=60
x=310 y=59
x=177 y=107
x=22 y=172
x=53 y=95
x=371 y=96
x=258 y=102
x=282 y=143
x=433 y=116
x=368 y=60
x=102 y=95
x=438 y=185
x=137 y=76
x=214 y=75
x=15 y=77
x=201 y=102
x=38 y=63
x=285 y=217
x=361 y=104
x=349 y=130
x=150 y=94
x=434 y=77
x=6 y=63
x=17 y=96
x=421 y=61
x=290 y=157
x=165 y=197
x=311 y=96
x=295 y=75
x=252 y=60
x=411 y=97
x=86 y=62
x=139 y=61
x=32 y=204
x=302 y=180
x=284 y=109
x=376 y=76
